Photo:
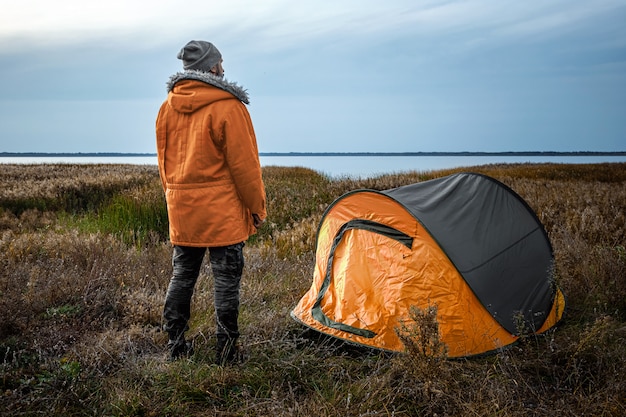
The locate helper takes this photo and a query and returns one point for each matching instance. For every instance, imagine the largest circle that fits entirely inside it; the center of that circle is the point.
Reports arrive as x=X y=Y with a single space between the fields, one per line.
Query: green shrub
x=137 y=218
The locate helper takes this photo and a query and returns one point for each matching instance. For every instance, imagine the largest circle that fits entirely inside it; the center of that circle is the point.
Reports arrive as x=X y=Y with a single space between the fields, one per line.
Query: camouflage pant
x=227 y=266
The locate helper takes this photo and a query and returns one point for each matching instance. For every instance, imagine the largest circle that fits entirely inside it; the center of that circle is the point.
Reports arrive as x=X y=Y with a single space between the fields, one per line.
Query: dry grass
x=81 y=299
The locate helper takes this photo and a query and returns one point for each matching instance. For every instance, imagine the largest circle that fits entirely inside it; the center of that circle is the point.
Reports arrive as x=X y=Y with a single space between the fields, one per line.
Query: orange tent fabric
x=376 y=257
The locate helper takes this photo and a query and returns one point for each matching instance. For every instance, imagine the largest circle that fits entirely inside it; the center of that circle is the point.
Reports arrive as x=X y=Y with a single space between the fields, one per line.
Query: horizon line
x=357 y=153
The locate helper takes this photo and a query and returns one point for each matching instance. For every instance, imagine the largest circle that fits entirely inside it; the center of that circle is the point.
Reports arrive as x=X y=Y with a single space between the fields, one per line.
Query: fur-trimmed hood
x=208 y=78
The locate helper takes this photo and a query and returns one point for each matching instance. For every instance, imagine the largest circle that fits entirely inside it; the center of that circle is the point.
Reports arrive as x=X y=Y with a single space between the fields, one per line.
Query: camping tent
x=464 y=243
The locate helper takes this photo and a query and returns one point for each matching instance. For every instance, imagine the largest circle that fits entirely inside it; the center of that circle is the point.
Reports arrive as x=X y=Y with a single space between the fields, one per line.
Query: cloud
x=275 y=28
x=285 y=22
x=273 y=22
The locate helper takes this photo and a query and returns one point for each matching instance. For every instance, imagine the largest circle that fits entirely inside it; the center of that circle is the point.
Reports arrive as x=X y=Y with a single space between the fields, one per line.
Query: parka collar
x=210 y=79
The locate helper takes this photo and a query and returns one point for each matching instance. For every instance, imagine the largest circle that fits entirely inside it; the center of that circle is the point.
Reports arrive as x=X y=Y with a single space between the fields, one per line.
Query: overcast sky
x=350 y=75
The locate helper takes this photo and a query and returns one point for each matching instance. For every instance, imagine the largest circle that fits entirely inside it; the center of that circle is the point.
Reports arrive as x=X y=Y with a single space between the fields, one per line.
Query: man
x=209 y=166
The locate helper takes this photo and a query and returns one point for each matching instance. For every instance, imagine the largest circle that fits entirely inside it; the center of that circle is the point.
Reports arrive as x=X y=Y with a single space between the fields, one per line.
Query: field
x=85 y=263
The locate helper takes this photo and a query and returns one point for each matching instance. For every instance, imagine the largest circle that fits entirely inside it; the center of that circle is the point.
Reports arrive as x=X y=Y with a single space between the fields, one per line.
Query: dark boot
x=179 y=349
x=226 y=351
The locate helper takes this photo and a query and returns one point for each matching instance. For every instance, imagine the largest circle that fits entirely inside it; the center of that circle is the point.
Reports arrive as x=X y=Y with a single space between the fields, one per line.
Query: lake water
x=342 y=165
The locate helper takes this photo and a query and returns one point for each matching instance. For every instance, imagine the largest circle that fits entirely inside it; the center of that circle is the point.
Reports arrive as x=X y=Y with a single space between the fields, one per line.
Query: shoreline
x=299 y=154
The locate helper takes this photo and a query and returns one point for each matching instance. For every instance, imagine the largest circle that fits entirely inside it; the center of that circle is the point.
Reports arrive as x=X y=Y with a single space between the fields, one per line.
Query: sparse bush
x=421 y=337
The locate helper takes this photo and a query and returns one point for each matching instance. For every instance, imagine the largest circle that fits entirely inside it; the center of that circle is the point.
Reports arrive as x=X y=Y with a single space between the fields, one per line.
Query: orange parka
x=208 y=161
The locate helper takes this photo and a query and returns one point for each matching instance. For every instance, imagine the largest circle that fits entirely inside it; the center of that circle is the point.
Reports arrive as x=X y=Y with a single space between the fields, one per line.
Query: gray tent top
x=495 y=241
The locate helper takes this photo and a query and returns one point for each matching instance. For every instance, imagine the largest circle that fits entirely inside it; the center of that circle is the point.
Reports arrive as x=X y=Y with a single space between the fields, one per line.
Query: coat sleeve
x=242 y=156
x=161 y=139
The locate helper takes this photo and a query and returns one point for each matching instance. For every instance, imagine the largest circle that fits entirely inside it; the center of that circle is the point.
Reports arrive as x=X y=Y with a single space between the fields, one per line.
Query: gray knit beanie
x=199 y=55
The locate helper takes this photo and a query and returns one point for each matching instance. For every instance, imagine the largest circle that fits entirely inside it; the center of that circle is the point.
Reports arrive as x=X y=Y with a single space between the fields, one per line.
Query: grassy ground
x=85 y=264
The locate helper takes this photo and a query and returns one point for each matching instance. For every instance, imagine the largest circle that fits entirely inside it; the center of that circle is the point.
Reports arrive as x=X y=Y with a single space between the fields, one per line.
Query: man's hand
x=257 y=220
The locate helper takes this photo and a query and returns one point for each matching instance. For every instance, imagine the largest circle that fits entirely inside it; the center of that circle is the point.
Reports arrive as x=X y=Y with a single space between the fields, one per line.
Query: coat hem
x=206 y=244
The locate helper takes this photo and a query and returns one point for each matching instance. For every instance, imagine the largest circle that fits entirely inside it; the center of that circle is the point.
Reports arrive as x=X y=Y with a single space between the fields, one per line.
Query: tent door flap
x=362 y=224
